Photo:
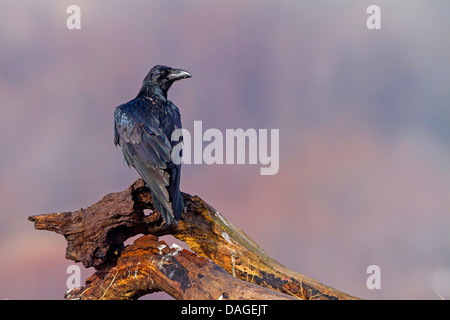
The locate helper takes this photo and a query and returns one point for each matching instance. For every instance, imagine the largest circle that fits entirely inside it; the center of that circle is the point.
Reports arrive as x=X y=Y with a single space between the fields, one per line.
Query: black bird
x=143 y=128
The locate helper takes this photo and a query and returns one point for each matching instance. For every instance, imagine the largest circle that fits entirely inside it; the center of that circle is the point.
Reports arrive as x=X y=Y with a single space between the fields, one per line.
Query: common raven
x=143 y=128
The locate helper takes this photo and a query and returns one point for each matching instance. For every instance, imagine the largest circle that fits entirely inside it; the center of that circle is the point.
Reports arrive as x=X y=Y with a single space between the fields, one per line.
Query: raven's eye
x=163 y=73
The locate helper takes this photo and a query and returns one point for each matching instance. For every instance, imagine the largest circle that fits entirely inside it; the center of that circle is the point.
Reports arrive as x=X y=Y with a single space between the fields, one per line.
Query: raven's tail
x=171 y=214
x=176 y=199
x=164 y=186
x=167 y=213
x=178 y=206
x=156 y=181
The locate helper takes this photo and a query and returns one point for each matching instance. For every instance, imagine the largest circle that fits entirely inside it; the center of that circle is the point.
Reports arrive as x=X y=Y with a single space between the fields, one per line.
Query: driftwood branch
x=235 y=268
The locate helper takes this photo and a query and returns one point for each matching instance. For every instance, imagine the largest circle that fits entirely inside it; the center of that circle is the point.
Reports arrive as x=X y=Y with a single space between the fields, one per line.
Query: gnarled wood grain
x=149 y=265
x=95 y=237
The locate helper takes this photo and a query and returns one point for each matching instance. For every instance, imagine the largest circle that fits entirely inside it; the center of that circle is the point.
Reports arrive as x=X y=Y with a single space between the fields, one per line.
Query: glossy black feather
x=143 y=128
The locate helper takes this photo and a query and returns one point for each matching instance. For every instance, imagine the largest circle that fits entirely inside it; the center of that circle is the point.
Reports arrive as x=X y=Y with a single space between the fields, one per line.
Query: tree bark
x=235 y=266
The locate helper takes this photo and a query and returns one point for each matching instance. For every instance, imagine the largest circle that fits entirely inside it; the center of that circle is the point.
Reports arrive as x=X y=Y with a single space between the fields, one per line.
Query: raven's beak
x=177 y=74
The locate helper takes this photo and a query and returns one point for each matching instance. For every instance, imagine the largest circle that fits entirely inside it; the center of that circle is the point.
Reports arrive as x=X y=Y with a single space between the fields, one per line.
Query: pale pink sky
x=363 y=115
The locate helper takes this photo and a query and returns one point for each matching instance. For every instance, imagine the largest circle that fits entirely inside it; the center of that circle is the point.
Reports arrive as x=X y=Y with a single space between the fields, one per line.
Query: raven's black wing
x=145 y=146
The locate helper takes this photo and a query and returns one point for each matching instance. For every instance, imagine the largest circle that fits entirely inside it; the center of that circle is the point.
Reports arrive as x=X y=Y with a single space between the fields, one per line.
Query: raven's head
x=162 y=77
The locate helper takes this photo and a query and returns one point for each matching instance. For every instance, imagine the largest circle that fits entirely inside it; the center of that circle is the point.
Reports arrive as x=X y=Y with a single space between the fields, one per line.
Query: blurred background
x=364 y=120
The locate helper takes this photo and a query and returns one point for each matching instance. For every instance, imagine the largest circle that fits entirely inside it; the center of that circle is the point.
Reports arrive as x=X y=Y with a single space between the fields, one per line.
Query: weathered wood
x=149 y=265
x=95 y=236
